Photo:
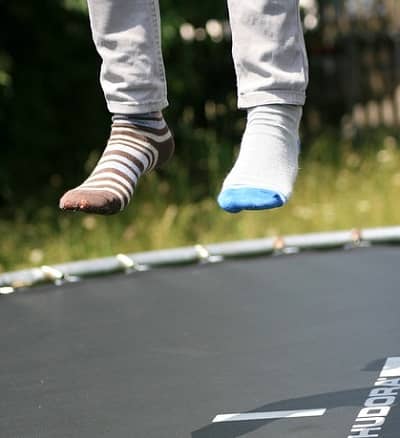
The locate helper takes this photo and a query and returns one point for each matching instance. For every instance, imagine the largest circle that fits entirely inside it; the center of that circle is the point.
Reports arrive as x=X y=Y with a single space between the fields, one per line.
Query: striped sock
x=137 y=145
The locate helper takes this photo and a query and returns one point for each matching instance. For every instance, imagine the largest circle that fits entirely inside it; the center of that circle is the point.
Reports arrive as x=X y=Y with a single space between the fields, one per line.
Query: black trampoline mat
x=159 y=354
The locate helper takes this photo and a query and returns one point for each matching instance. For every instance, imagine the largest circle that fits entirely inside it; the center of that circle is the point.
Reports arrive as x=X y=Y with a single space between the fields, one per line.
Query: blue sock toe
x=235 y=200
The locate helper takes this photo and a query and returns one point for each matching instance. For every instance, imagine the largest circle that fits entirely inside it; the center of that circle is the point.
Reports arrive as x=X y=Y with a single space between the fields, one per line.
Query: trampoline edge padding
x=73 y=271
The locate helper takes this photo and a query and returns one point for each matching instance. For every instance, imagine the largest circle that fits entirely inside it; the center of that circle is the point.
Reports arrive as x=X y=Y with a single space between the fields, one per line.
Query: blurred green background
x=54 y=124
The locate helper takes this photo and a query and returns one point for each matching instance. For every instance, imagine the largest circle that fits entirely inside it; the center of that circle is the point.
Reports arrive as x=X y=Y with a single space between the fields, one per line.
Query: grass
x=359 y=191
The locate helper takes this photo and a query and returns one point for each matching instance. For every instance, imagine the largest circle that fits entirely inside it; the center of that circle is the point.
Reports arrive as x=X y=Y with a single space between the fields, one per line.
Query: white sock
x=266 y=168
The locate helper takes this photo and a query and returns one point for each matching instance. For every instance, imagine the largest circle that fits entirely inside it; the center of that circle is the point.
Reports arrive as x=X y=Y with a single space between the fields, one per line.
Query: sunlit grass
x=361 y=192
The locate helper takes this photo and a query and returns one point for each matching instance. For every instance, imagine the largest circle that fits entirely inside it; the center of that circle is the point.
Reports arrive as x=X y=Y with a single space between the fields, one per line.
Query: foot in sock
x=137 y=145
x=266 y=168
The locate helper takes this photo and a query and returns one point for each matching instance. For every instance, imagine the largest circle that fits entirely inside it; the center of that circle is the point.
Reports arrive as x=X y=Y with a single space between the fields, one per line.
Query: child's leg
x=127 y=37
x=272 y=74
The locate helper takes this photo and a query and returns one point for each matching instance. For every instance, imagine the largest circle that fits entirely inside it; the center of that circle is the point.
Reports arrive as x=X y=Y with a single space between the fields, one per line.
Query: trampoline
x=288 y=344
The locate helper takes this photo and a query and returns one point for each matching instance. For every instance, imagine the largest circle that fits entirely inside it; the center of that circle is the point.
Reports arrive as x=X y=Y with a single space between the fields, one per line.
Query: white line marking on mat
x=380 y=402
x=391 y=368
x=273 y=415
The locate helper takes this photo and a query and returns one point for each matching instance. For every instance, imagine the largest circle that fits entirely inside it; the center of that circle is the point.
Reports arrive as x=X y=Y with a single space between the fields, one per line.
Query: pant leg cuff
x=249 y=100
x=136 y=108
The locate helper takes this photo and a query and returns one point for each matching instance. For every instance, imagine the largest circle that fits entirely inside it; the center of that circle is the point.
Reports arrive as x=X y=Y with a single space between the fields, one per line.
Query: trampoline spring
x=280 y=247
x=52 y=274
x=202 y=252
x=356 y=237
x=279 y=244
x=130 y=265
x=7 y=290
x=357 y=240
x=205 y=256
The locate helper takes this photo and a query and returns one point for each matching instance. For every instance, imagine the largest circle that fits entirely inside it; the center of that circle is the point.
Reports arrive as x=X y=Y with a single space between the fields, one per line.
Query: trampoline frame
x=59 y=274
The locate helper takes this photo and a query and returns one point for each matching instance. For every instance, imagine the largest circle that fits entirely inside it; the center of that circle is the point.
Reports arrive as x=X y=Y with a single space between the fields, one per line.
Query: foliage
x=47 y=119
x=53 y=121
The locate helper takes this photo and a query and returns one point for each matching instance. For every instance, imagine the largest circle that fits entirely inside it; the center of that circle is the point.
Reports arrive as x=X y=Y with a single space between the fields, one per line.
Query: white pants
x=268 y=52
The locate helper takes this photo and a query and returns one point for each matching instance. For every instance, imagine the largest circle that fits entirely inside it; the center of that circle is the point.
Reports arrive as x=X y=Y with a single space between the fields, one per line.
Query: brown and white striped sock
x=136 y=146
